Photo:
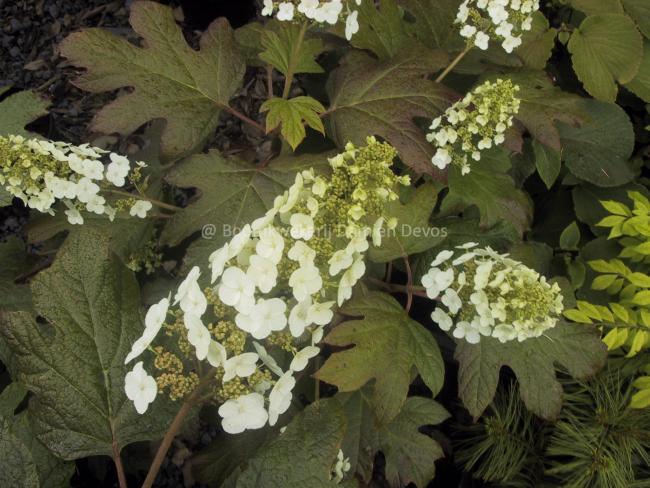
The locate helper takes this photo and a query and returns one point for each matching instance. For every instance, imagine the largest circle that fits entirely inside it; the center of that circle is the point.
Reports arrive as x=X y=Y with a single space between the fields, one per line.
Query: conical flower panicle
x=275 y=285
x=484 y=293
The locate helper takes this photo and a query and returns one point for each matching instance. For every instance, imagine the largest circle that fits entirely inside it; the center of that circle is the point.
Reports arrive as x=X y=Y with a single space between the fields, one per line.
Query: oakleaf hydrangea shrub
x=278 y=237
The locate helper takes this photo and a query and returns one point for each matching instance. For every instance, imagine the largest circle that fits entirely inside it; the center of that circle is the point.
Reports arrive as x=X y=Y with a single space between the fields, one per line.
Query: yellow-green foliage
x=627 y=281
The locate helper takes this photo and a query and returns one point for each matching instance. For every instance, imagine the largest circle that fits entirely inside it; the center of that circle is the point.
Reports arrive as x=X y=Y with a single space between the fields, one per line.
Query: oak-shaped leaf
x=18 y=110
x=537 y=44
x=292 y=115
x=409 y=454
x=232 y=193
x=227 y=454
x=433 y=22
x=388 y=346
x=606 y=49
x=25 y=461
x=382 y=29
x=491 y=190
x=283 y=48
x=413 y=234
x=170 y=80
x=370 y=97
x=74 y=363
x=303 y=455
x=577 y=348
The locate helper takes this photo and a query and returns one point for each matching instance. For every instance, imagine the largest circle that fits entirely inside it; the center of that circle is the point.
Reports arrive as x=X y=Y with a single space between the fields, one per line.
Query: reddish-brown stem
x=244 y=118
x=409 y=284
x=175 y=426
x=417 y=291
x=453 y=64
x=389 y=272
x=119 y=467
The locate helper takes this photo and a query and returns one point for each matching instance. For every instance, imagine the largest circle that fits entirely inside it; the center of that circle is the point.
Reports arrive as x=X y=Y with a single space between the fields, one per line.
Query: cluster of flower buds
x=501 y=20
x=484 y=293
x=273 y=285
x=40 y=172
x=476 y=122
x=320 y=11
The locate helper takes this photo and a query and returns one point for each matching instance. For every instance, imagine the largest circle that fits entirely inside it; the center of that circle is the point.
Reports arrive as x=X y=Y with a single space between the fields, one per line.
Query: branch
x=119 y=467
x=453 y=64
x=409 y=284
x=175 y=426
x=244 y=118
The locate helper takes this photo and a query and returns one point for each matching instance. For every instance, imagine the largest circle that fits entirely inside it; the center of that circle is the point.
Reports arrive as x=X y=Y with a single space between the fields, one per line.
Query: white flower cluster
x=40 y=172
x=320 y=11
x=475 y=123
x=284 y=272
x=488 y=294
x=502 y=20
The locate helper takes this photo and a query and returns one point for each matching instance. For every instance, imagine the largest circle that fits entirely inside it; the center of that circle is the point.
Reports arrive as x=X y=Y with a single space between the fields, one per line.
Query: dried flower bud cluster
x=275 y=285
x=320 y=11
x=475 y=123
x=40 y=172
x=502 y=20
x=484 y=293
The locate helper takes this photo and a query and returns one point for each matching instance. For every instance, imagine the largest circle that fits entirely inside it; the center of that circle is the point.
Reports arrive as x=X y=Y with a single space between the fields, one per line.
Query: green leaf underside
x=74 y=365
x=605 y=49
x=388 y=344
x=279 y=41
x=492 y=191
x=433 y=21
x=18 y=110
x=598 y=150
x=409 y=454
x=292 y=115
x=25 y=462
x=538 y=43
x=232 y=194
x=301 y=456
x=15 y=262
x=368 y=97
x=413 y=234
x=127 y=234
x=170 y=80
x=577 y=348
